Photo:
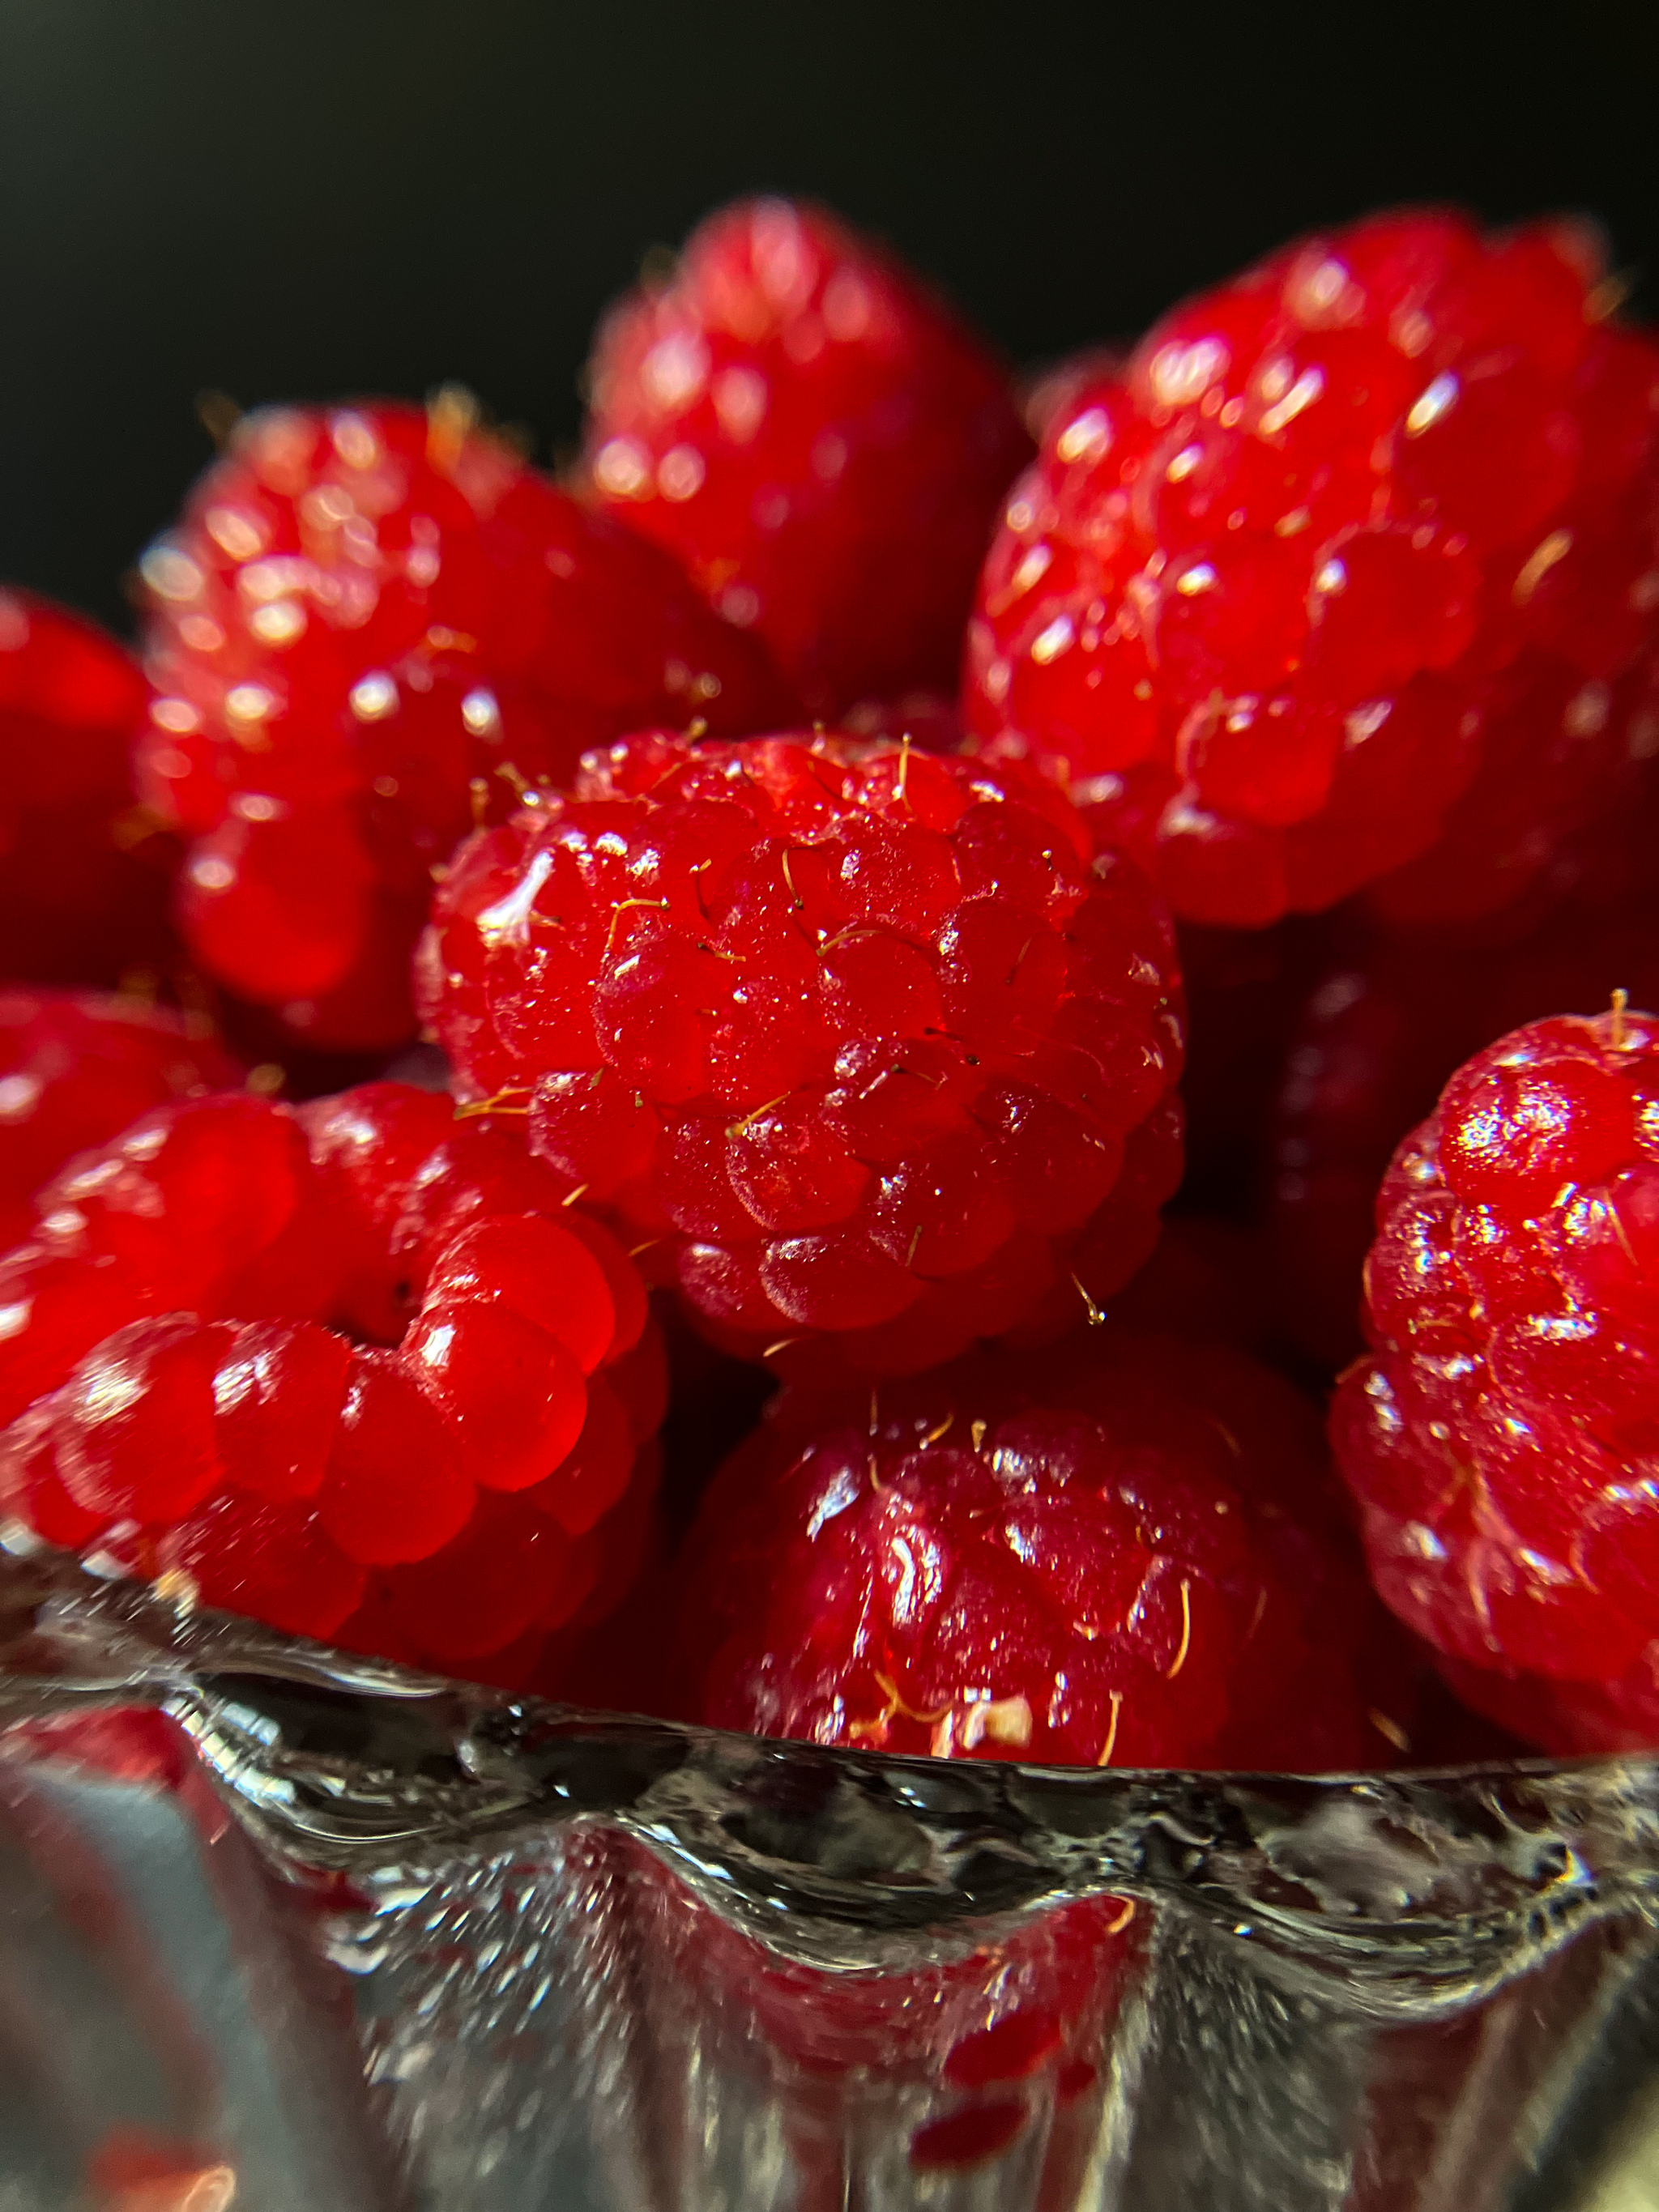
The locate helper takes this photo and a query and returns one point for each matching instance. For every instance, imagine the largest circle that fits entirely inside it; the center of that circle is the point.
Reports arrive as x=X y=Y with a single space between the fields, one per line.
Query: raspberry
x=819 y=440
x=83 y=877
x=75 y=1068
x=1125 y=1551
x=1498 y=1438
x=1353 y=567
x=349 y=1368
x=852 y=1035
x=1390 y=1020
x=364 y=615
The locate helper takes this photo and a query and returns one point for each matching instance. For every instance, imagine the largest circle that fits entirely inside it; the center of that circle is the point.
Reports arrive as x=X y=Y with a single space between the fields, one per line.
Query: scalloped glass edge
x=1417 y=1991
x=1414 y=1891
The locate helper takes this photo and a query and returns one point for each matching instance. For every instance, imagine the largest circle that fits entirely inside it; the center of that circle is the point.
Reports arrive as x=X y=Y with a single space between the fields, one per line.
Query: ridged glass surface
x=294 y=1932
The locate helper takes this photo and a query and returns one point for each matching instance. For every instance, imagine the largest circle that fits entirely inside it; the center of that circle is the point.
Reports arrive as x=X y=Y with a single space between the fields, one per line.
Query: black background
x=304 y=198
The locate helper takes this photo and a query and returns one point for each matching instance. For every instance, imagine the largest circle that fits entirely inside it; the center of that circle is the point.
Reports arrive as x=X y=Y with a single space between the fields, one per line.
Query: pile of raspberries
x=946 y=1066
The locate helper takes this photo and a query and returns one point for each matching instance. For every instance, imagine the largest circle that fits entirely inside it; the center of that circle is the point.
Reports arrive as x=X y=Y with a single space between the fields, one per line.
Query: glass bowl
x=312 y=1934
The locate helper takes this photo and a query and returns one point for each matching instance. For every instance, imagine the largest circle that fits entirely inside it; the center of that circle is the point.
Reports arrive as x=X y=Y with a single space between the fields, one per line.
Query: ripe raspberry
x=75 y=1068
x=83 y=877
x=1346 y=569
x=851 y=1034
x=360 y=611
x=1125 y=1551
x=349 y=1368
x=817 y=437
x=1499 y=1436
x=1391 y=1019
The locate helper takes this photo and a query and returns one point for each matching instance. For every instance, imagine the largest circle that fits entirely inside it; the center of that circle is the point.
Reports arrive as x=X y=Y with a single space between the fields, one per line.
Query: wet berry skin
x=1391 y=1018
x=360 y=611
x=349 y=1368
x=75 y=1066
x=855 y=1040
x=1499 y=1435
x=1125 y=1551
x=818 y=439
x=83 y=872
x=1347 y=578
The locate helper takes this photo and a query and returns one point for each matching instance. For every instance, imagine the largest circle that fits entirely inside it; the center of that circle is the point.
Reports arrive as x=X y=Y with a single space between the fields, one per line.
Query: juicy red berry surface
x=1499 y=1436
x=75 y=1066
x=1124 y=1552
x=361 y=610
x=853 y=1038
x=820 y=442
x=349 y=1368
x=1354 y=566
x=1389 y=1022
x=83 y=876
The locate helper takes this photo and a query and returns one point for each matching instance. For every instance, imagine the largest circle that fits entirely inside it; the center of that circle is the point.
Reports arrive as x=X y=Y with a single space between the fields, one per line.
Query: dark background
x=304 y=198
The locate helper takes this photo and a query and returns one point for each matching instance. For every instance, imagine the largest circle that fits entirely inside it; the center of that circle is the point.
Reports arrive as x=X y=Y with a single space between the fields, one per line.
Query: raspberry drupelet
x=83 y=873
x=369 y=624
x=349 y=1368
x=818 y=439
x=1127 y=1551
x=75 y=1066
x=1500 y=1436
x=854 y=1039
x=1352 y=566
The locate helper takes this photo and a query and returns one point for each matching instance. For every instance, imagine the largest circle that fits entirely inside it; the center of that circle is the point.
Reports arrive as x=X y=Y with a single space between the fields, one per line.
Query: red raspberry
x=1499 y=1436
x=1125 y=1551
x=332 y=1366
x=83 y=877
x=818 y=439
x=361 y=613
x=851 y=1034
x=1365 y=533
x=1391 y=1019
x=75 y=1068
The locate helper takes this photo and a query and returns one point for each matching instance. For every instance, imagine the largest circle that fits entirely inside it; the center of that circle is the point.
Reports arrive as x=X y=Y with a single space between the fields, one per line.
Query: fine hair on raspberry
x=856 y=1040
